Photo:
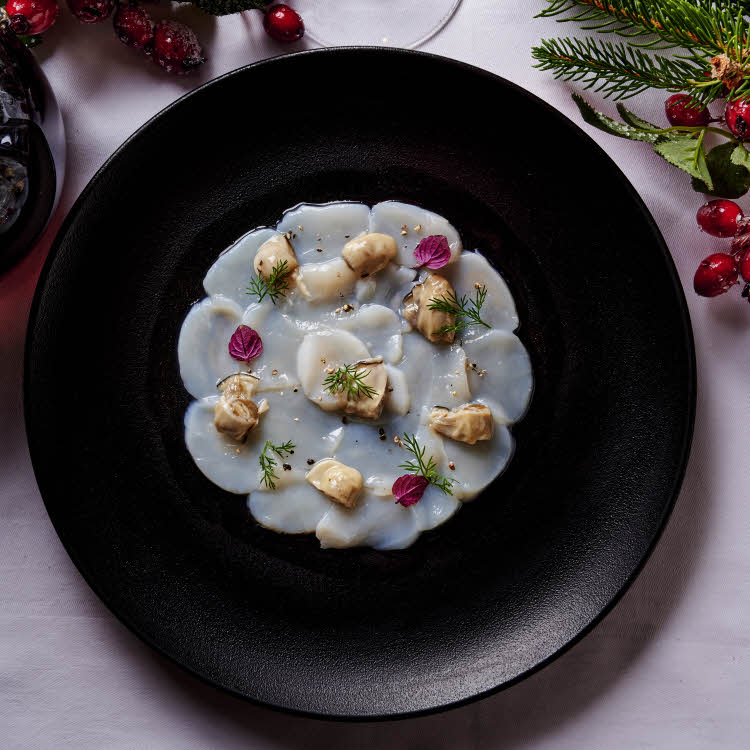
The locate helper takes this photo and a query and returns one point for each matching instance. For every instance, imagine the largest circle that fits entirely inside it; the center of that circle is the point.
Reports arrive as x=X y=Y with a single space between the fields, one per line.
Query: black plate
x=517 y=575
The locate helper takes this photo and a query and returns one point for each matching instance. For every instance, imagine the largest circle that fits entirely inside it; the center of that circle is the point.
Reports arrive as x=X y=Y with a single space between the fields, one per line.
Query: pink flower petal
x=432 y=252
x=245 y=344
x=409 y=489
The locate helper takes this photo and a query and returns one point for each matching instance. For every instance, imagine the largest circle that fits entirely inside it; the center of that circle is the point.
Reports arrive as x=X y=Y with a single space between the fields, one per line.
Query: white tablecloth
x=668 y=668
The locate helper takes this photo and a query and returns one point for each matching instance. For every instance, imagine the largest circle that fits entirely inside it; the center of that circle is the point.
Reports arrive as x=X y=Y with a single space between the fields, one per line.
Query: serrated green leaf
x=728 y=179
x=632 y=119
x=741 y=157
x=608 y=125
x=686 y=153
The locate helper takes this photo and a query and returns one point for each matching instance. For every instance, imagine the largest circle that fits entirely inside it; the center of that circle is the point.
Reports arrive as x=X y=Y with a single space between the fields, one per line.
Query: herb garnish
x=427 y=470
x=274 y=286
x=348 y=378
x=268 y=463
x=465 y=310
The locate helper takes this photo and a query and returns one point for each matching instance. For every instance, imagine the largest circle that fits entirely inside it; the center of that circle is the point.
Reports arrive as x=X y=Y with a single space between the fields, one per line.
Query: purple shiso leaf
x=245 y=344
x=432 y=252
x=409 y=489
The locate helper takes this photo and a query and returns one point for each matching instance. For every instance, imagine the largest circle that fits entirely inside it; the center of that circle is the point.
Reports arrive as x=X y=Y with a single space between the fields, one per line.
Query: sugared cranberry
x=719 y=217
x=737 y=115
x=91 y=11
x=743 y=263
x=715 y=275
x=133 y=25
x=176 y=48
x=283 y=23
x=680 y=112
x=32 y=16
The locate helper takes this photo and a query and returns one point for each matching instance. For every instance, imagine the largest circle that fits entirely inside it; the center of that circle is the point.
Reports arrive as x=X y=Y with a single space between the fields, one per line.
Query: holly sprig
x=723 y=171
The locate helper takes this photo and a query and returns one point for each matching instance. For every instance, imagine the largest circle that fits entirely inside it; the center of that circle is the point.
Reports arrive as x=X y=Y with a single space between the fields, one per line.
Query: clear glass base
x=384 y=23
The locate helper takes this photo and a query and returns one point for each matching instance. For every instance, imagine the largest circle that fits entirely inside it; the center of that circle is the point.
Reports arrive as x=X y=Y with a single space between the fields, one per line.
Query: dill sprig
x=274 y=286
x=348 y=378
x=465 y=310
x=429 y=469
x=268 y=463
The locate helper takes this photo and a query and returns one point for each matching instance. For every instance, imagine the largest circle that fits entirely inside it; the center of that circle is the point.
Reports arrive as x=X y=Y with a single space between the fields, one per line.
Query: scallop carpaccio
x=329 y=315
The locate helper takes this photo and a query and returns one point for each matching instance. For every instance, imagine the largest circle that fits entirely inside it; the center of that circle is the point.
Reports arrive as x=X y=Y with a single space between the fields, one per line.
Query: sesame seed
x=347 y=307
x=299 y=226
x=418 y=228
x=296 y=419
x=454 y=393
x=452 y=466
x=403 y=232
x=274 y=372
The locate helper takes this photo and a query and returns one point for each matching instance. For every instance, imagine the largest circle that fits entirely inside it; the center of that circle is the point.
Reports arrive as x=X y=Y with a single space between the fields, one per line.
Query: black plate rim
x=687 y=332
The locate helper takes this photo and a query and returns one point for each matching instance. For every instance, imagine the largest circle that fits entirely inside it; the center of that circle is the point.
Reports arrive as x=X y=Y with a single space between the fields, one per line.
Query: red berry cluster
x=719 y=272
x=171 y=44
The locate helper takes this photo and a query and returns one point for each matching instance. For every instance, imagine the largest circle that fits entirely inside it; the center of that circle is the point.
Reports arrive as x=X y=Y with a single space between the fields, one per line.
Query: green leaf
x=728 y=179
x=686 y=153
x=608 y=125
x=741 y=157
x=631 y=119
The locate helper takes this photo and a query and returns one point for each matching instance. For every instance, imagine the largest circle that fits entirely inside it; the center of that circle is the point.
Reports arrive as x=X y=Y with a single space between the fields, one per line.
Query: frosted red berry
x=743 y=264
x=283 y=23
x=176 y=48
x=679 y=111
x=133 y=25
x=719 y=217
x=91 y=11
x=715 y=275
x=737 y=115
x=32 y=16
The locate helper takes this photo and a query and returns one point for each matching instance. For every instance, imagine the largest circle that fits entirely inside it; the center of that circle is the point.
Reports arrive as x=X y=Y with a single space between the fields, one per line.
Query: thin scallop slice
x=377 y=326
x=202 y=349
x=277 y=365
x=231 y=273
x=397 y=396
x=294 y=507
x=326 y=350
x=230 y=465
x=234 y=466
x=327 y=281
x=477 y=465
x=435 y=507
x=325 y=228
x=375 y=521
x=506 y=371
x=435 y=373
x=499 y=309
x=389 y=218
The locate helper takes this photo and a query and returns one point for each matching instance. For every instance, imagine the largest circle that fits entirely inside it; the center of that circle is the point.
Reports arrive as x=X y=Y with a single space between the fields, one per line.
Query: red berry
x=744 y=266
x=91 y=11
x=32 y=16
x=176 y=48
x=715 y=275
x=679 y=111
x=133 y=25
x=737 y=115
x=283 y=23
x=719 y=217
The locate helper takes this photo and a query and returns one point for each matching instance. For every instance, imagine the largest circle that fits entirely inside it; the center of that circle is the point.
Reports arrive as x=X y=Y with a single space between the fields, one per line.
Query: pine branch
x=621 y=71
x=711 y=26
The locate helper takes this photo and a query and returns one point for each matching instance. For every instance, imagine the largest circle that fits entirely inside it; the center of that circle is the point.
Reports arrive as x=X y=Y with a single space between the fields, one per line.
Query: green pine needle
x=702 y=29
x=426 y=469
x=268 y=462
